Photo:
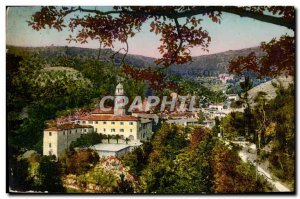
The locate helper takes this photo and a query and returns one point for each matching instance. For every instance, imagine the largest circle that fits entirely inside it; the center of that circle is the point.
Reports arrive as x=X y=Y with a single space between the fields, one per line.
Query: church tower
x=119 y=108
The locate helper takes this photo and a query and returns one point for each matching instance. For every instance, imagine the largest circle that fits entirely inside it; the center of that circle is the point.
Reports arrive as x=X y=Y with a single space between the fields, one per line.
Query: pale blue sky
x=233 y=33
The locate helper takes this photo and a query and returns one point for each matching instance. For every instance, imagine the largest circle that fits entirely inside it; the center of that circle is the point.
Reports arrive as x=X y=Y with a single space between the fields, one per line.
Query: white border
x=109 y=2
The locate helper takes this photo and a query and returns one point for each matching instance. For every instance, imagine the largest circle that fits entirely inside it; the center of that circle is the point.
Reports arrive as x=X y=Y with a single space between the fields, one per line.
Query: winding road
x=246 y=156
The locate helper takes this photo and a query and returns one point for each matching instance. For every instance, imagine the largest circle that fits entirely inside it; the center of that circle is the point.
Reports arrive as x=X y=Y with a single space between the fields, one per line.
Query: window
x=83 y=122
x=104 y=129
x=64 y=133
x=113 y=130
x=90 y=122
x=112 y=122
x=122 y=123
x=104 y=122
x=130 y=123
x=50 y=133
x=84 y=130
x=49 y=145
x=122 y=130
x=70 y=132
x=96 y=122
x=130 y=130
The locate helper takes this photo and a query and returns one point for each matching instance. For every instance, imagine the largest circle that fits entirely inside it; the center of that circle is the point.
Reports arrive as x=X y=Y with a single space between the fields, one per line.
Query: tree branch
x=180 y=43
x=237 y=11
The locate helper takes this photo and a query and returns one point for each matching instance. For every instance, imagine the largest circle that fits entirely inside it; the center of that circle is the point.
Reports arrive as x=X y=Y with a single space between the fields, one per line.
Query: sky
x=233 y=33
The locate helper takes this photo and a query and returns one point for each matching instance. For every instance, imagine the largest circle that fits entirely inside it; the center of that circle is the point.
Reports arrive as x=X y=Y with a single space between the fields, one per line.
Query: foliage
x=176 y=36
x=216 y=128
x=137 y=159
x=231 y=175
x=190 y=166
x=18 y=177
x=87 y=140
x=48 y=90
x=279 y=59
x=233 y=125
x=105 y=180
x=281 y=120
x=79 y=161
x=49 y=174
x=124 y=186
x=206 y=165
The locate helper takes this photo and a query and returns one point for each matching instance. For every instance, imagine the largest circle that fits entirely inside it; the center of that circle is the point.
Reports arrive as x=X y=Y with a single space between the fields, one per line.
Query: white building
x=217 y=106
x=57 y=139
x=233 y=97
x=116 y=121
x=224 y=77
x=184 y=121
x=113 y=122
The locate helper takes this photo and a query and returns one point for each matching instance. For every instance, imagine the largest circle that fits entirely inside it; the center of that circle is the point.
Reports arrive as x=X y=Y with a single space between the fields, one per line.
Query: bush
x=78 y=162
x=87 y=140
x=282 y=166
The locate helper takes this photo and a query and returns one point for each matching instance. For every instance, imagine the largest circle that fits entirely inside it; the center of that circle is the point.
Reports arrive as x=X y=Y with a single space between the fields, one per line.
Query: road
x=247 y=156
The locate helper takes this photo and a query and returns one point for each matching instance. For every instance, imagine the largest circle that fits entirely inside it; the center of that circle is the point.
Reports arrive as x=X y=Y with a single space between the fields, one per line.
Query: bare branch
x=198 y=10
x=180 y=38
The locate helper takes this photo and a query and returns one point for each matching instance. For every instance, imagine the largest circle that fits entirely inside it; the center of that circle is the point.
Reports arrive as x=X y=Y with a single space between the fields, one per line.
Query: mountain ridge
x=211 y=64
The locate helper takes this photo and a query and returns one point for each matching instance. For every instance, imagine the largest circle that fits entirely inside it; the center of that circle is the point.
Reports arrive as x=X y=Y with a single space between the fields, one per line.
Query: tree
x=106 y=181
x=233 y=125
x=216 y=129
x=49 y=175
x=231 y=175
x=117 y=137
x=260 y=100
x=201 y=116
x=18 y=176
x=87 y=140
x=177 y=37
x=137 y=159
x=124 y=186
x=127 y=140
x=279 y=59
x=248 y=117
x=109 y=137
x=79 y=161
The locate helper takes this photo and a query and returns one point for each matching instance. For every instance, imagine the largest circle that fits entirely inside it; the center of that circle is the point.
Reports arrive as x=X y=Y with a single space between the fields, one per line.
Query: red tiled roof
x=67 y=126
x=100 y=111
x=109 y=118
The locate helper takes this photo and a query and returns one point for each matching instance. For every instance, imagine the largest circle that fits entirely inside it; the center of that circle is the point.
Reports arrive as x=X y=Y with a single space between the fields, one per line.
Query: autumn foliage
x=278 y=59
x=154 y=77
x=177 y=36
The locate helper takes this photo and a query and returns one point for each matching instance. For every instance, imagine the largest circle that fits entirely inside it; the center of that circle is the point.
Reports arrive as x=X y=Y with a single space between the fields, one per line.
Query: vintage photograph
x=150 y=100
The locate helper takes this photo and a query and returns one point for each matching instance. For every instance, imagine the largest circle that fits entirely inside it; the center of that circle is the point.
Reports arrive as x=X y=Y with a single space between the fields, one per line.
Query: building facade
x=57 y=139
x=115 y=121
x=112 y=122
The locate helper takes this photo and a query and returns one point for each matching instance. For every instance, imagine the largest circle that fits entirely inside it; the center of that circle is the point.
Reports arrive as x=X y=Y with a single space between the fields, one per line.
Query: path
x=246 y=156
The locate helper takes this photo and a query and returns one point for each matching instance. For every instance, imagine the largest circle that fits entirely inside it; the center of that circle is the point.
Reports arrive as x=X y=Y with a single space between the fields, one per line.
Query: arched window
x=131 y=137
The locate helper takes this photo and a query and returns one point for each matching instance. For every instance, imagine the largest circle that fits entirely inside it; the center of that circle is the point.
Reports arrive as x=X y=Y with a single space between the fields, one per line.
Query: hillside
x=201 y=65
x=211 y=64
x=268 y=87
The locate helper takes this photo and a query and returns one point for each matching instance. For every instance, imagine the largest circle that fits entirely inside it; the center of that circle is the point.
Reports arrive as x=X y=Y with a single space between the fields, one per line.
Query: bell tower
x=119 y=103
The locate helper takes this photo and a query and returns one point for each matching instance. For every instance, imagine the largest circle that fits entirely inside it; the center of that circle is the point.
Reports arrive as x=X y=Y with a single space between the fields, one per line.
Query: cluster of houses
x=132 y=129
